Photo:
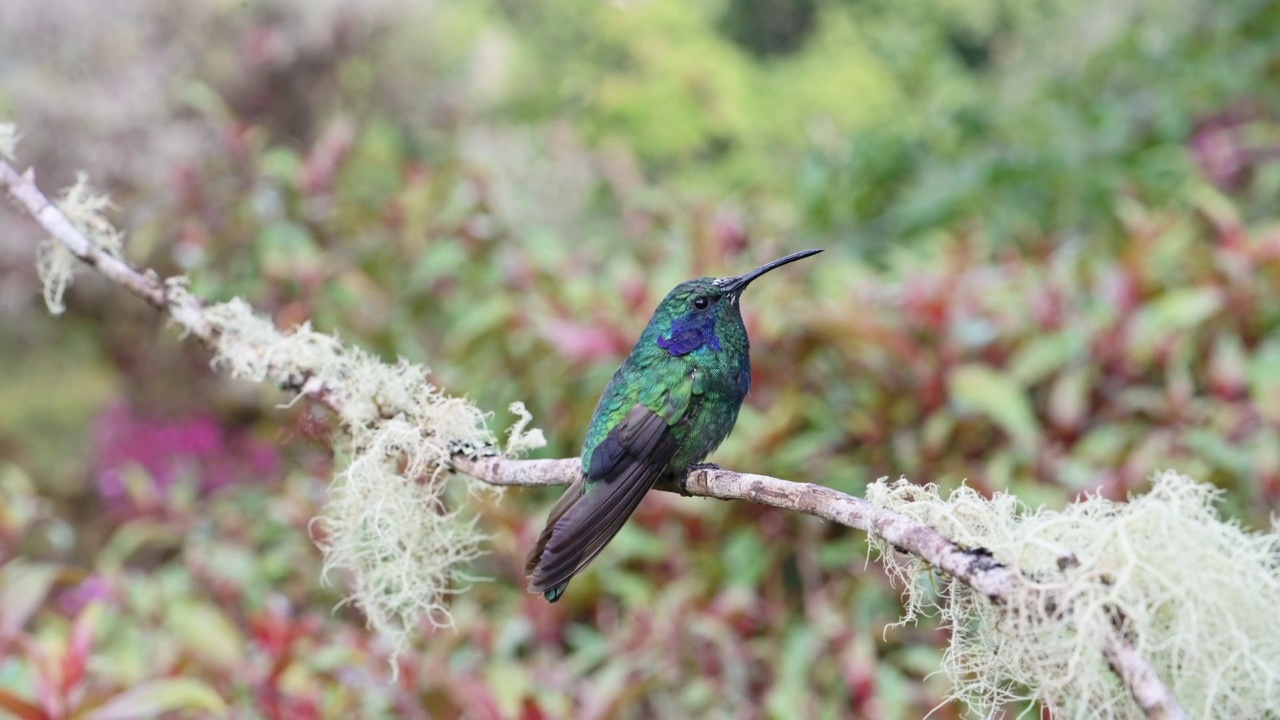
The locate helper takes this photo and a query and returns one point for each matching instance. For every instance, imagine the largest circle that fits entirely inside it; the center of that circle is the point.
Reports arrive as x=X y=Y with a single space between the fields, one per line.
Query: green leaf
x=23 y=588
x=281 y=163
x=980 y=389
x=1174 y=311
x=1043 y=355
x=746 y=558
x=133 y=536
x=790 y=694
x=1209 y=445
x=372 y=173
x=1068 y=403
x=155 y=697
x=1264 y=380
x=204 y=629
x=19 y=503
x=286 y=249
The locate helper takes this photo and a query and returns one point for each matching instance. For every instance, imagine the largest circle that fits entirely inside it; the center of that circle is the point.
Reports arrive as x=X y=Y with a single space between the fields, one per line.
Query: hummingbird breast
x=722 y=379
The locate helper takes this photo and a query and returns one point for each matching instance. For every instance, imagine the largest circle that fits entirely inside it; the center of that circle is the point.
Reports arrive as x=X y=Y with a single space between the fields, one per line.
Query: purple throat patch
x=689 y=334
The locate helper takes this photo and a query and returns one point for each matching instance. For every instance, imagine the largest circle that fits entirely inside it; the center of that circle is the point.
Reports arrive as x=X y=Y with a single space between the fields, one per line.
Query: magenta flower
x=194 y=446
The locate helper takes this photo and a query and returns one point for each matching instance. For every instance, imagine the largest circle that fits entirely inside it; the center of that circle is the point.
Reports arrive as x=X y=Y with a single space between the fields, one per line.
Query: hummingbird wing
x=623 y=467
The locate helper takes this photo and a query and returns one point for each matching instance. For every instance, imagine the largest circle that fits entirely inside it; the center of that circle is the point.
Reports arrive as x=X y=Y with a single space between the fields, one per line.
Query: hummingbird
x=671 y=403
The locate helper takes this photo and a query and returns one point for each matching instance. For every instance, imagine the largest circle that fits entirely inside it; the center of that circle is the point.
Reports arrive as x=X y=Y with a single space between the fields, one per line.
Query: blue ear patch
x=690 y=332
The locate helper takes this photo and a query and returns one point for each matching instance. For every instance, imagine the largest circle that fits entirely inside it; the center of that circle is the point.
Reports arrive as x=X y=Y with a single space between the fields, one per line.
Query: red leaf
x=79 y=646
x=19 y=707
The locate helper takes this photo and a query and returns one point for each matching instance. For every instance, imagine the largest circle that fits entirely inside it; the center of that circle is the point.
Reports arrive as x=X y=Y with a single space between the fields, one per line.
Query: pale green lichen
x=387 y=526
x=1197 y=594
x=520 y=439
x=54 y=262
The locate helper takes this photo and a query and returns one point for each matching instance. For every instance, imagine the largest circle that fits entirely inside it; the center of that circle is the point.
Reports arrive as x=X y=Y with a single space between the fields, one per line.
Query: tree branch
x=181 y=307
x=973 y=567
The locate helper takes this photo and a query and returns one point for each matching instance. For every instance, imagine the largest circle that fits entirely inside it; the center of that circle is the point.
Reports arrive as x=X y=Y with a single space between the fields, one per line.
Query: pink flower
x=165 y=449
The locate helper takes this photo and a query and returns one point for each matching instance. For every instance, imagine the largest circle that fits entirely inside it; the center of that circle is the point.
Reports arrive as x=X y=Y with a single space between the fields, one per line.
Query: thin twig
x=978 y=570
x=181 y=307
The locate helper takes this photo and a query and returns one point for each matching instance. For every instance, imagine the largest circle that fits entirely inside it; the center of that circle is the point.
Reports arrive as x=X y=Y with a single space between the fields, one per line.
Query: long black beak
x=737 y=283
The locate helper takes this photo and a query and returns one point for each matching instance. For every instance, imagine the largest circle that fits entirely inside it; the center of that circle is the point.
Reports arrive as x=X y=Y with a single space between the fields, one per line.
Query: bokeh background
x=1053 y=257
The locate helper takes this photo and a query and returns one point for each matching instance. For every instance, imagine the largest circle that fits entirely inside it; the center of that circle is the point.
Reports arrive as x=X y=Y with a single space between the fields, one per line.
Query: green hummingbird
x=674 y=400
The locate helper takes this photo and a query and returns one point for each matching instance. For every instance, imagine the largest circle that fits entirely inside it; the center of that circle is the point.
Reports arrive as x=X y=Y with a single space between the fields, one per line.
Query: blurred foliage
x=1053 y=248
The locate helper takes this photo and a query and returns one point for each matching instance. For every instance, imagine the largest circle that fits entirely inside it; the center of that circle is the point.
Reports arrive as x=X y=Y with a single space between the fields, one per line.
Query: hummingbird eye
x=701 y=302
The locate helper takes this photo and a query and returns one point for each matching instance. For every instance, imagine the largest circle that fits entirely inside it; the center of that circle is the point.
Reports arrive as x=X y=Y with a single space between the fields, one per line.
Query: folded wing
x=623 y=467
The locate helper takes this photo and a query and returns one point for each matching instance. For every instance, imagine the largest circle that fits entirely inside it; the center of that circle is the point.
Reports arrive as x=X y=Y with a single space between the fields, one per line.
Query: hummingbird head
x=697 y=310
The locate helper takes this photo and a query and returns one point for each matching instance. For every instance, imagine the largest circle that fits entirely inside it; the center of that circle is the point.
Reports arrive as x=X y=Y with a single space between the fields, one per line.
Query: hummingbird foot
x=684 y=479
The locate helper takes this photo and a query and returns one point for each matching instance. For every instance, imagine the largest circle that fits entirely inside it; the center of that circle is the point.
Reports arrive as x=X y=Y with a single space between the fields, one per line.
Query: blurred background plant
x=1053 y=248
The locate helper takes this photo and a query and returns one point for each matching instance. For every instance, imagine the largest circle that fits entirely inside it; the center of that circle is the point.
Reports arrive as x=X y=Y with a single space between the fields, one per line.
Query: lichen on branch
x=55 y=261
x=387 y=527
x=1193 y=593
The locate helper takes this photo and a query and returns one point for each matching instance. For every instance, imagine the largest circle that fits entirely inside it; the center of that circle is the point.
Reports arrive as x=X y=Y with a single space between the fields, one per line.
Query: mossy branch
x=974 y=567
x=317 y=367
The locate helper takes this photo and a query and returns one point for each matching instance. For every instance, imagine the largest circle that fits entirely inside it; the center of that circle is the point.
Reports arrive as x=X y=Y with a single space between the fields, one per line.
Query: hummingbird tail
x=566 y=501
x=621 y=470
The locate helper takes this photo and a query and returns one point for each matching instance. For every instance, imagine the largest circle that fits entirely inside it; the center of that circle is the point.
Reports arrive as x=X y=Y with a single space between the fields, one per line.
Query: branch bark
x=973 y=567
